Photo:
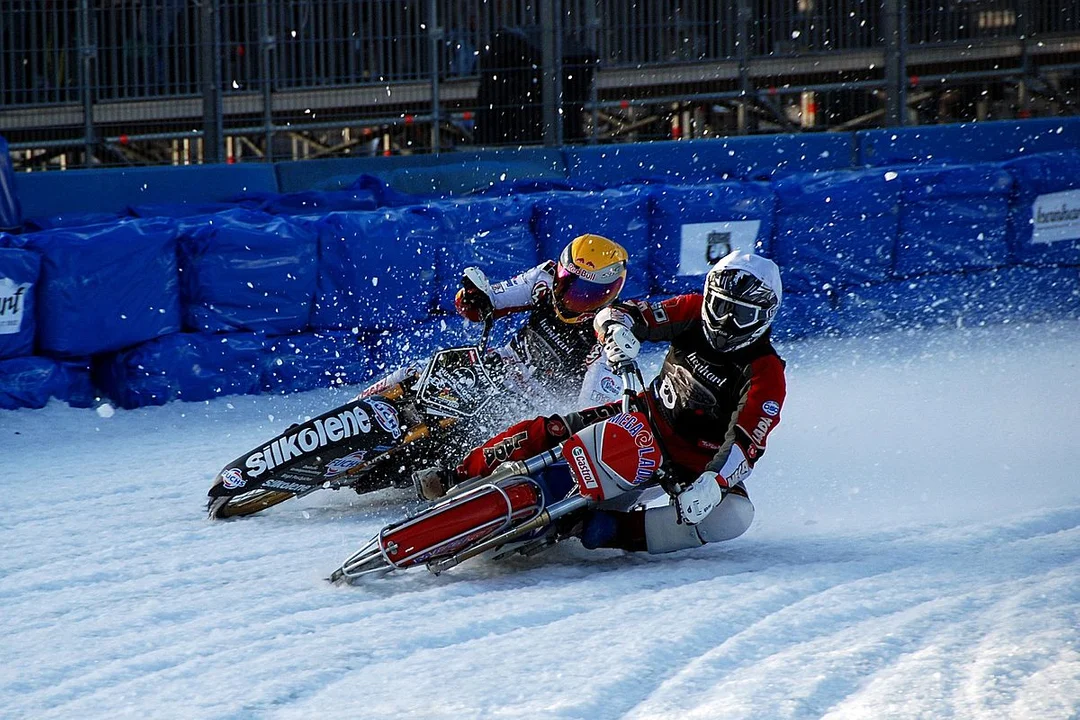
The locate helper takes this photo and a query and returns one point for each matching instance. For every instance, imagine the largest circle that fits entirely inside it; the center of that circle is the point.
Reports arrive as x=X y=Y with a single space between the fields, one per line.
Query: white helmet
x=742 y=295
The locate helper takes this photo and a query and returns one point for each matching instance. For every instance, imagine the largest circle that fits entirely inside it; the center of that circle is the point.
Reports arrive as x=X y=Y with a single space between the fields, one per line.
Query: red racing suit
x=712 y=410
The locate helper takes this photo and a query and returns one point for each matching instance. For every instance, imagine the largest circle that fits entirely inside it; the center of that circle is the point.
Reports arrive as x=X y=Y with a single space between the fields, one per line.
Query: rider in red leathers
x=713 y=404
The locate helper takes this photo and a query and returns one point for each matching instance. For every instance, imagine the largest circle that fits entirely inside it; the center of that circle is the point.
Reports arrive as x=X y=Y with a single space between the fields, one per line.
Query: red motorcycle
x=524 y=506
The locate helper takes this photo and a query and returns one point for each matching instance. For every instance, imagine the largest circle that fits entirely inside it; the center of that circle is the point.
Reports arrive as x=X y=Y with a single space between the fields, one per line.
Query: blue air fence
x=88 y=83
x=267 y=291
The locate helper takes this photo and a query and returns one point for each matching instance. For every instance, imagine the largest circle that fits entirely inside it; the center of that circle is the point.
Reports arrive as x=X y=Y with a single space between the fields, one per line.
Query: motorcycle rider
x=554 y=356
x=713 y=405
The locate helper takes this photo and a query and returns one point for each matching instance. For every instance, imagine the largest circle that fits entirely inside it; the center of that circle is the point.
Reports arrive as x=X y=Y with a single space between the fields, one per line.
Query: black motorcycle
x=361 y=444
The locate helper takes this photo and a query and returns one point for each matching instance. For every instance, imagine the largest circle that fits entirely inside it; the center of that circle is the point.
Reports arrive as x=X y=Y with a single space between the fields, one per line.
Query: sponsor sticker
x=1055 y=217
x=585 y=471
x=350 y=421
x=556 y=429
x=648 y=458
x=233 y=478
x=703 y=244
x=277 y=484
x=386 y=416
x=609 y=385
x=771 y=408
x=343 y=464
x=12 y=304
x=761 y=430
x=501 y=451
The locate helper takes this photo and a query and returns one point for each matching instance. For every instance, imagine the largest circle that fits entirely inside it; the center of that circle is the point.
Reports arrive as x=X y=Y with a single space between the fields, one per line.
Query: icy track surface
x=916 y=553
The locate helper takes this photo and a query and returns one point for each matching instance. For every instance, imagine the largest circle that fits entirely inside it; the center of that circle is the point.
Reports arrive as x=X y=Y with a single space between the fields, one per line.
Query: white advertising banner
x=12 y=303
x=1055 y=217
x=703 y=244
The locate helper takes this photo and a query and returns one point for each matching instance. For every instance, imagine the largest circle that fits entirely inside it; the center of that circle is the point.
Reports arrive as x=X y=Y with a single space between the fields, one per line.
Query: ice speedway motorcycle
x=352 y=445
x=526 y=506
x=356 y=445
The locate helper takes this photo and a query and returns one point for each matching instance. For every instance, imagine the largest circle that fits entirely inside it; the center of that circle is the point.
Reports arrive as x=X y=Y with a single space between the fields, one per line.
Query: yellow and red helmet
x=589 y=275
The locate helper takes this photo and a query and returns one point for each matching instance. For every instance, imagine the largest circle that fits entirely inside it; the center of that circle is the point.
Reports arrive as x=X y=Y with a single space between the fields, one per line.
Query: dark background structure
x=87 y=83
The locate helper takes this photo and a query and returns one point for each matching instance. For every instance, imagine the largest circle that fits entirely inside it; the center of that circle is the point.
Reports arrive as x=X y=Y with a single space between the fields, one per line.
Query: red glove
x=472 y=303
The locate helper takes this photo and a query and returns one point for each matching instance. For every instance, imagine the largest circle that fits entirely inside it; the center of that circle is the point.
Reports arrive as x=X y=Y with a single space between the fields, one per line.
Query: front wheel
x=248 y=503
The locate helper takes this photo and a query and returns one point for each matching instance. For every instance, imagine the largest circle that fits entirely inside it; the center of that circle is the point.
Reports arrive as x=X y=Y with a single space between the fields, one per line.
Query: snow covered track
x=915 y=554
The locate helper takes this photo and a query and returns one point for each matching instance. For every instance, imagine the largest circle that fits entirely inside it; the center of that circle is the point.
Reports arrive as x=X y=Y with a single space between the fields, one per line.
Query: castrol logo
x=581 y=462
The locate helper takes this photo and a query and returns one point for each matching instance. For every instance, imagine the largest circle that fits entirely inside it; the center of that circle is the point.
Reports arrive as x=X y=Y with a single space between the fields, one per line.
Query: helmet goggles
x=723 y=309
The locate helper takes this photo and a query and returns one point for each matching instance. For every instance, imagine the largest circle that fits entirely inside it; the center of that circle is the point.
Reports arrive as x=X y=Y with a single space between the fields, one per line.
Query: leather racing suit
x=712 y=411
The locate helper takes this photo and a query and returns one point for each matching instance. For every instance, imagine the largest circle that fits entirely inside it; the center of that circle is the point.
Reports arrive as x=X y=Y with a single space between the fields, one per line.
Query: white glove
x=699 y=498
x=620 y=344
x=610 y=316
x=479 y=280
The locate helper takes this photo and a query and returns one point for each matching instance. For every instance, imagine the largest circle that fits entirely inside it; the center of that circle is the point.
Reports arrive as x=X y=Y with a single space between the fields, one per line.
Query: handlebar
x=629 y=372
x=489 y=321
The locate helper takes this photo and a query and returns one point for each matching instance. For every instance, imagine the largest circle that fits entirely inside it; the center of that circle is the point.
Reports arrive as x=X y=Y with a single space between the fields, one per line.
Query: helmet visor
x=576 y=295
x=730 y=314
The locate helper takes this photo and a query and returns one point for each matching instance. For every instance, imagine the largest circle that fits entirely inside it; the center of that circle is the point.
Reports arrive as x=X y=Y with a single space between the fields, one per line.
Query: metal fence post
x=435 y=40
x=894 y=14
x=1023 y=29
x=592 y=26
x=210 y=81
x=267 y=42
x=551 y=72
x=560 y=73
x=87 y=54
x=747 y=121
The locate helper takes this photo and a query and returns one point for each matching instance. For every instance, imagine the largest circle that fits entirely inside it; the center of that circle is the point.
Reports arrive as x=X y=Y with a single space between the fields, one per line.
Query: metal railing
x=89 y=82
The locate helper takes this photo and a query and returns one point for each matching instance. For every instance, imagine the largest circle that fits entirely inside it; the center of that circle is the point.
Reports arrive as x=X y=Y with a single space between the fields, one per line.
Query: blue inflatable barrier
x=806 y=316
x=709 y=161
x=1046 y=208
x=183 y=366
x=10 y=209
x=493 y=234
x=962 y=143
x=77 y=385
x=45 y=195
x=973 y=298
x=376 y=269
x=448 y=173
x=19 y=271
x=836 y=229
x=73 y=220
x=246 y=270
x=621 y=215
x=187 y=210
x=693 y=226
x=315 y=360
x=29 y=382
x=105 y=287
x=953 y=219
x=511 y=188
x=309 y=202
